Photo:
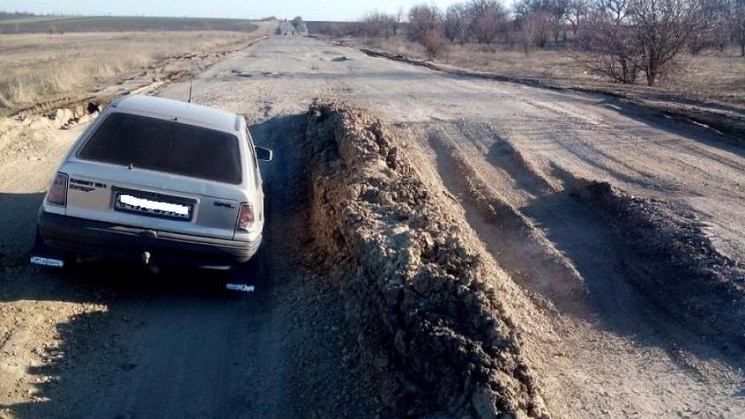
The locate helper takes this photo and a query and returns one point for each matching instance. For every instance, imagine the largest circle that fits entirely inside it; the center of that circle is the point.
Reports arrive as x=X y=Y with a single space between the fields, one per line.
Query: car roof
x=163 y=108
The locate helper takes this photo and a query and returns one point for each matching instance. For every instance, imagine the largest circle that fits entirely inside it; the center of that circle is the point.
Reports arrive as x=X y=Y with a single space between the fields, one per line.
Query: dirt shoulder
x=147 y=78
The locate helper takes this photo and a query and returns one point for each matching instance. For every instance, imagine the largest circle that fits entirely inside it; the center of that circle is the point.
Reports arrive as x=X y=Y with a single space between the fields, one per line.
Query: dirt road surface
x=103 y=341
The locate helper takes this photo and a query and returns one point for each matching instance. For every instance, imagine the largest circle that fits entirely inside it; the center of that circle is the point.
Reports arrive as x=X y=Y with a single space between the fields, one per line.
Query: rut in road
x=613 y=348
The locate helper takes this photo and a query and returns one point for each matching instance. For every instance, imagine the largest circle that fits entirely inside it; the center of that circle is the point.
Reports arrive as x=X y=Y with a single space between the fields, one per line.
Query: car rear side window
x=165 y=146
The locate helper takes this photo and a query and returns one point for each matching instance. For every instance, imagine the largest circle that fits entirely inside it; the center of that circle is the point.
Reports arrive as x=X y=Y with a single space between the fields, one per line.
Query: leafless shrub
x=481 y=20
x=457 y=23
x=662 y=28
x=423 y=20
x=576 y=13
x=376 y=24
x=609 y=47
x=716 y=16
x=434 y=43
x=624 y=37
x=556 y=9
x=426 y=25
x=488 y=20
x=699 y=43
x=536 y=30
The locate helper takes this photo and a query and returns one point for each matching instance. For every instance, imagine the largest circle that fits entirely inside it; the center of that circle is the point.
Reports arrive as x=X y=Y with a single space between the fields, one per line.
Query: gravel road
x=99 y=341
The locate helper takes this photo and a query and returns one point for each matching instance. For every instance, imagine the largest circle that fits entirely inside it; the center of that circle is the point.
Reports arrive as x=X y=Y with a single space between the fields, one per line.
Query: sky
x=244 y=9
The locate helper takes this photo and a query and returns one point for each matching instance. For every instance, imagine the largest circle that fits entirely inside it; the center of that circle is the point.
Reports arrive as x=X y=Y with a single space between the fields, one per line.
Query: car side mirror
x=264 y=153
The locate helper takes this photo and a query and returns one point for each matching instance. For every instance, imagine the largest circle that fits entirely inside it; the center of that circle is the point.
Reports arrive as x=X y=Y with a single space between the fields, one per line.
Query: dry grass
x=710 y=75
x=713 y=74
x=39 y=67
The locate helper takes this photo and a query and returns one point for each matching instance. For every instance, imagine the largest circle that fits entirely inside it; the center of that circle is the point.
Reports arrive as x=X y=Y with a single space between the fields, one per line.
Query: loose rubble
x=671 y=259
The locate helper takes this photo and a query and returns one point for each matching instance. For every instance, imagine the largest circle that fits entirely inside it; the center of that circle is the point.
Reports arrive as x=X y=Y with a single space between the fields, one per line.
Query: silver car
x=158 y=181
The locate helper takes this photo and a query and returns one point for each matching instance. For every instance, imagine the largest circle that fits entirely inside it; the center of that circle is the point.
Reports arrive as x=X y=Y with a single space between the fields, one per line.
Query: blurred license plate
x=152 y=206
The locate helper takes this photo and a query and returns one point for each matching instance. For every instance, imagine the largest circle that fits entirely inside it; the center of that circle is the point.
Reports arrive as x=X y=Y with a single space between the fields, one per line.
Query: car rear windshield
x=165 y=146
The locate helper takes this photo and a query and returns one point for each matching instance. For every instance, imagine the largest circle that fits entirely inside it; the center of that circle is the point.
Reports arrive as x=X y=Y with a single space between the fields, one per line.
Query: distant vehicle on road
x=286 y=28
x=157 y=181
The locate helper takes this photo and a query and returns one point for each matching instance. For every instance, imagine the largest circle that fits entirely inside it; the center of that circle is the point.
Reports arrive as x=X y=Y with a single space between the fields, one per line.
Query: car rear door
x=156 y=174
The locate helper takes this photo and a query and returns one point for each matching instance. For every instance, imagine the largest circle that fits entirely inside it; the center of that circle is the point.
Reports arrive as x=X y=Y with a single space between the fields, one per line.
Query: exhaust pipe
x=146 y=257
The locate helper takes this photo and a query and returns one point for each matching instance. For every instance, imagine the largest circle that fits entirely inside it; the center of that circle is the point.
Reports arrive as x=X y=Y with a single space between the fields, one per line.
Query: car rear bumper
x=79 y=235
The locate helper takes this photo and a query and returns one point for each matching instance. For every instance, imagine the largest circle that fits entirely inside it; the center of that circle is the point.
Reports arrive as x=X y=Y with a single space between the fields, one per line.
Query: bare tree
x=577 y=11
x=426 y=27
x=609 y=47
x=536 y=29
x=488 y=19
x=662 y=28
x=457 y=23
x=738 y=24
x=376 y=24
x=625 y=37
x=614 y=11
x=557 y=9
x=424 y=19
x=398 y=18
x=716 y=26
x=723 y=22
x=480 y=20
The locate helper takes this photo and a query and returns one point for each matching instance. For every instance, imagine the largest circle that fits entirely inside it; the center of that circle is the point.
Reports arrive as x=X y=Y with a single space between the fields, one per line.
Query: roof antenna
x=191 y=85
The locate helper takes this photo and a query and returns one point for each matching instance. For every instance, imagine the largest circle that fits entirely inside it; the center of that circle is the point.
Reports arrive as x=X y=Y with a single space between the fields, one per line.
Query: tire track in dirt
x=606 y=326
x=512 y=237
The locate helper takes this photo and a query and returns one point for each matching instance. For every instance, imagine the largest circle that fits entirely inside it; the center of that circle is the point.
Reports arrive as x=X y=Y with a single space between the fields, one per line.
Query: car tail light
x=57 y=194
x=246 y=217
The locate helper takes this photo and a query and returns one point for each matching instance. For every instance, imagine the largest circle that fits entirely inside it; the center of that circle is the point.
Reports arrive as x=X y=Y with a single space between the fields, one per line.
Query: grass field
x=41 y=67
x=10 y=24
x=711 y=75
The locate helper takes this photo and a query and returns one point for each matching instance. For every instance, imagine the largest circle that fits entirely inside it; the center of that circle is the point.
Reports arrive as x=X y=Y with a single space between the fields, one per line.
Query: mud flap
x=43 y=255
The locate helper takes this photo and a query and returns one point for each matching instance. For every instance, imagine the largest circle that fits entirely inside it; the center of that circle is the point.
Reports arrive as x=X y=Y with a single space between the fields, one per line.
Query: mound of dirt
x=672 y=260
x=430 y=326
